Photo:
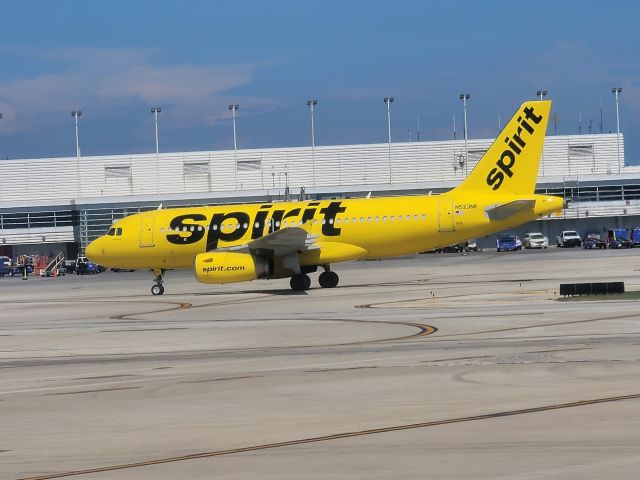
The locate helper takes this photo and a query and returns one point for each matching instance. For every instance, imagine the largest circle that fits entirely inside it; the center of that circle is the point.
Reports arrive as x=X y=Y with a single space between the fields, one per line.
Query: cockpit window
x=111 y=232
x=118 y=232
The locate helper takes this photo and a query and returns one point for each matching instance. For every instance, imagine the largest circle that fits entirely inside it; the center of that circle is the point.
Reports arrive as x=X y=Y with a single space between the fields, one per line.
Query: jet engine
x=230 y=267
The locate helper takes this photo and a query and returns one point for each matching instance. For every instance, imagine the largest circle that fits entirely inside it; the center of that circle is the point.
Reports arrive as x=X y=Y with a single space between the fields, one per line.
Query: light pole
x=389 y=101
x=75 y=114
x=156 y=111
x=541 y=93
x=454 y=127
x=234 y=109
x=616 y=91
x=464 y=97
x=312 y=106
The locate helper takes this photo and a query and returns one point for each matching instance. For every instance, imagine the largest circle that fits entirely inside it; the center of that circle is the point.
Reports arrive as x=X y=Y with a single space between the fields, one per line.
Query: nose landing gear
x=158 y=289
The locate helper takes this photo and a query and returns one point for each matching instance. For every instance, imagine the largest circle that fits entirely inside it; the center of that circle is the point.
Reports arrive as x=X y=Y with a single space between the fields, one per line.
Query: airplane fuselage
x=383 y=227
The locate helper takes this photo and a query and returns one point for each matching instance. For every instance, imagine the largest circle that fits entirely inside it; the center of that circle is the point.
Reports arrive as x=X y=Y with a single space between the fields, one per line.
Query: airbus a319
x=238 y=243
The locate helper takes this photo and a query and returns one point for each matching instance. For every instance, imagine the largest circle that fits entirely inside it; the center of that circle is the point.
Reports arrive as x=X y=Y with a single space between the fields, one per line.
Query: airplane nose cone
x=93 y=251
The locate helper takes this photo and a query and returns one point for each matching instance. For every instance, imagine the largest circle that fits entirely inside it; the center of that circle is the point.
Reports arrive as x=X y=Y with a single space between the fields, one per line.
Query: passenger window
x=393 y=217
x=415 y=217
x=161 y=229
x=199 y=228
x=215 y=227
x=256 y=225
x=331 y=221
x=324 y=220
x=338 y=220
x=192 y=228
x=399 y=218
x=384 y=219
x=424 y=216
x=377 y=219
x=278 y=223
x=368 y=219
x=361 y=219
x=408 y=217
x=346 y=220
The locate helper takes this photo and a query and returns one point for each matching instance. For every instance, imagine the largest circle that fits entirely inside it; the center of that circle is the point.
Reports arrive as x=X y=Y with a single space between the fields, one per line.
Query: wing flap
x=279 y=243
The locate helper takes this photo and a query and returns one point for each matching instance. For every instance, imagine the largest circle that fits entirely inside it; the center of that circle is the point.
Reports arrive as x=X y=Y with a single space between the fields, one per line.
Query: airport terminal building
x=50 y=205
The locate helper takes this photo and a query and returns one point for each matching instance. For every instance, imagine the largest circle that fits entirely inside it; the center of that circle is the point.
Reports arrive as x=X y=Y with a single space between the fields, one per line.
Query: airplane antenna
x=160 y=206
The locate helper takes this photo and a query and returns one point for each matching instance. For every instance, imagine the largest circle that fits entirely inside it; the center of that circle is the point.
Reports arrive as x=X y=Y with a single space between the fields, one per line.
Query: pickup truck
x=568 y=239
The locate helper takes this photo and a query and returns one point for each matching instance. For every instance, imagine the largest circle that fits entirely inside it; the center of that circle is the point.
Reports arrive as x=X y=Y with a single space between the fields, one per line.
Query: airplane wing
x=501 y=212
x=279 y=243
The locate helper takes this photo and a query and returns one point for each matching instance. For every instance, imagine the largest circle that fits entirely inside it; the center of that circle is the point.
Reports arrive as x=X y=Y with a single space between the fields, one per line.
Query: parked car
x=508 y=242
x=619 y=238
x=593 y=240
x=6 y=266
x=635 y=236
x=535 y=240
x=568 y=239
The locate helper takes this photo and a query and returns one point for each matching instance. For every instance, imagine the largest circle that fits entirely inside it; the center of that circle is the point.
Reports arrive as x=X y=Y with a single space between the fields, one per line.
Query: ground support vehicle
x=593 y=240
x=619 y=238
x=84 y=266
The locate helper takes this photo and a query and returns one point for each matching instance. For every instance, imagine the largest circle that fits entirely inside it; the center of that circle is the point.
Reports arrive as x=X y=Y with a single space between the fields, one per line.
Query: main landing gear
x=301 y=281
x=157 y=288
x=328 y=279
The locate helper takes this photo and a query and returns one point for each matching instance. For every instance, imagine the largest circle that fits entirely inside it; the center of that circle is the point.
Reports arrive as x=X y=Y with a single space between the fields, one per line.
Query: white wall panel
x=343 y=165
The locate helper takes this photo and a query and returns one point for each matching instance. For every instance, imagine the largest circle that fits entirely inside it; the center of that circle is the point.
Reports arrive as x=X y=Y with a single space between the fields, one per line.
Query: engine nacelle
x=230 y=267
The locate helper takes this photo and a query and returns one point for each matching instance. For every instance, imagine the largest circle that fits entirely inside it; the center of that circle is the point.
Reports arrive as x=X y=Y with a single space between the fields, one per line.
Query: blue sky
x=116 y=59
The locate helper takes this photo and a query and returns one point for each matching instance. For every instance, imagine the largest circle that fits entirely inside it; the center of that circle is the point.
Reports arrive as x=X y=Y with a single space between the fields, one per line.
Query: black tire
x=328 y=279
x=157 y=290
x=300 y=282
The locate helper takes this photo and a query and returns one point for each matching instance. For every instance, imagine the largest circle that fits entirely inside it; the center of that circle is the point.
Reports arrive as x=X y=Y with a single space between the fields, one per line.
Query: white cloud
x=111 y=78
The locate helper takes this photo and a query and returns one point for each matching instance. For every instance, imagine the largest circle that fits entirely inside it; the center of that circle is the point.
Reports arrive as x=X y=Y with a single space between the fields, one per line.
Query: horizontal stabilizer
x=504 y=211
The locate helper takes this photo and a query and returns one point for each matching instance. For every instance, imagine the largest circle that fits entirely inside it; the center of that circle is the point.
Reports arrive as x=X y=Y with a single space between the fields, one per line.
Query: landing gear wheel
x=157 y=290
x=328 y=279
x=300 y=282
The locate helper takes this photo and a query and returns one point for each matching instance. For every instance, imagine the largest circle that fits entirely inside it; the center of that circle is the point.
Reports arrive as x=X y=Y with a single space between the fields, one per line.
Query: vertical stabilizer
x=511 y=163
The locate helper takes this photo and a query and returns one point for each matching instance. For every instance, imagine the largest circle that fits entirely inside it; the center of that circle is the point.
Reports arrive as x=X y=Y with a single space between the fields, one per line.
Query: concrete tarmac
x=439 y=366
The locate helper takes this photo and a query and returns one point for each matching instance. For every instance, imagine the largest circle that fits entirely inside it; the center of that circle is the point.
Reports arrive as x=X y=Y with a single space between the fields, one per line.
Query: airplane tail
x=511 y=163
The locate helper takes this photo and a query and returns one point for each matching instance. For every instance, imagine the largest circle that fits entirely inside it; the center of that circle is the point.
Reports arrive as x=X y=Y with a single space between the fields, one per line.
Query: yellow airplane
x=238 y=243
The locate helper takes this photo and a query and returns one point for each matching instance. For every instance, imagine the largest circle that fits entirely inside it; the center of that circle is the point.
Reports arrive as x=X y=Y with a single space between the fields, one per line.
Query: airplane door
x=146 y=230
x=445 y=216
